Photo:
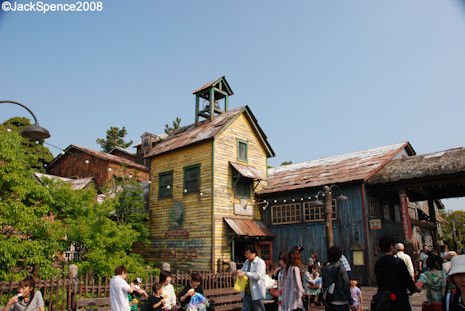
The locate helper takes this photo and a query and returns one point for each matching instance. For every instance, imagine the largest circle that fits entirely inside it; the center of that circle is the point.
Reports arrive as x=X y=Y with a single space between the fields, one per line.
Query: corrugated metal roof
x=78 y=183
x=102 y=155
x=248 y=171
x=248 y=227
x=353 y=166
x=206 y=130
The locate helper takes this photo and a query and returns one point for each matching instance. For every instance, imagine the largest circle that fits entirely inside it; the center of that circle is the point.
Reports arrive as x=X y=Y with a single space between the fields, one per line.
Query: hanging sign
x=375 y=224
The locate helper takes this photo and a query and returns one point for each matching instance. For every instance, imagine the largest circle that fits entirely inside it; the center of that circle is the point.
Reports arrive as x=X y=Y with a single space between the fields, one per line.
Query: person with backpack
x=336 y=286
x=393 y=280
x=455 y=301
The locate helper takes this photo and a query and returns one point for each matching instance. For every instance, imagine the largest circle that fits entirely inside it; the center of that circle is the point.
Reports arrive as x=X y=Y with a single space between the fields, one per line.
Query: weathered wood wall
x=226 y=151
x=73 y=164
x=182 y=252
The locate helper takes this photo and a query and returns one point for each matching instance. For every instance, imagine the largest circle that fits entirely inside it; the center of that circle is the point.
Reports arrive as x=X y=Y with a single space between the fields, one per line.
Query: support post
x=329 y=216
x=197 y=108
x=404 y=215
x=212 y=104
x=432 y=216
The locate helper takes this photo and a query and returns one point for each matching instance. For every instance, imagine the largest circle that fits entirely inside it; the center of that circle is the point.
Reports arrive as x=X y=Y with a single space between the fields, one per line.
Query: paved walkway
x=416 y=300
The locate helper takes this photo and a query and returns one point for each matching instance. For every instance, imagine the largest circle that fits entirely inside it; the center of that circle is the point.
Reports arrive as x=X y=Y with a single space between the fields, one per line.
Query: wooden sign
x=375 y=224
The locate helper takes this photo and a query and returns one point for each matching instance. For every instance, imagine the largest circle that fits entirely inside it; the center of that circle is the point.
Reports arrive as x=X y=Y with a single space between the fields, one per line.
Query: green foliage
x=457 y=218
x=102 y=242
x=37 y=154
x=38 y=222
x=176 y=123
x=114 y=138
x=286 y=163
x=129 y=204
x=28 y=239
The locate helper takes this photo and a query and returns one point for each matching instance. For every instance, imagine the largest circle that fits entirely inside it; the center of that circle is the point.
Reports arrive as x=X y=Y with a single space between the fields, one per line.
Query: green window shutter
x=242 y=150
x=192 y=179
x=165 y=185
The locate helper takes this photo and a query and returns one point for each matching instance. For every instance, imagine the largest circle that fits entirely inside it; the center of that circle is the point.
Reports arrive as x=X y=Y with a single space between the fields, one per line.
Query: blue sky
x=322 y=77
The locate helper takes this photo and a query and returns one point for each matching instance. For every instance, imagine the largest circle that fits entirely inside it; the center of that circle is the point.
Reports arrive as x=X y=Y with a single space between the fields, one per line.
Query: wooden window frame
x=374 y=207
x=185 y=169
x=283 y=208
x=307 y=207
x=236 y=195
x=246 y=143
x=165 y=196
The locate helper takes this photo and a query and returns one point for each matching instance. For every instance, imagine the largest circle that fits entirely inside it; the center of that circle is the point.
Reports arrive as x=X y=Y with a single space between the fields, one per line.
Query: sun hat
x=457 y=265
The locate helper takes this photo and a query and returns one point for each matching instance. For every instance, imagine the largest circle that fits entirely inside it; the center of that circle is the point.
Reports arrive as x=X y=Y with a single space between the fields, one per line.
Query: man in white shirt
x=119 y=289
x=405 y=258
x=255 y=269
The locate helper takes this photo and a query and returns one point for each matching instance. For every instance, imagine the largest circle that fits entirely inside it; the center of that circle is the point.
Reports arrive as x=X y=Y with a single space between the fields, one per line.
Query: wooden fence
x=61 y=293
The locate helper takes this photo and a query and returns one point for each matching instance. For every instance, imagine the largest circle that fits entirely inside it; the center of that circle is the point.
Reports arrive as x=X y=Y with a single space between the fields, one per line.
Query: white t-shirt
x=170 y=300
x=119 y=300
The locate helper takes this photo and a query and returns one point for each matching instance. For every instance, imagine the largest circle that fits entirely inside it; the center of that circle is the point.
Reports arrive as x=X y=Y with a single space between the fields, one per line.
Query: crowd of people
x=292 y=285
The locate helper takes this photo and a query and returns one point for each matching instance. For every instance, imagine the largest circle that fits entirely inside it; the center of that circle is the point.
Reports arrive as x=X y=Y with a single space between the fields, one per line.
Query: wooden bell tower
x=211 y=94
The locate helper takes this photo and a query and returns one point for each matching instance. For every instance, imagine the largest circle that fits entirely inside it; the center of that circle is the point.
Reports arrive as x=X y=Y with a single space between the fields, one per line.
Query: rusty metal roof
x=211 y=83
x=348 y=167
x=447 y=162
x=248 y=227
x=206 y=130
x=248 y=171
x=101 y=155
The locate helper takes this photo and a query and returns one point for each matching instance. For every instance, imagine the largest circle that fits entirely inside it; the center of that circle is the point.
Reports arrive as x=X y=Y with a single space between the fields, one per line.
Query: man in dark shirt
x=392 y=274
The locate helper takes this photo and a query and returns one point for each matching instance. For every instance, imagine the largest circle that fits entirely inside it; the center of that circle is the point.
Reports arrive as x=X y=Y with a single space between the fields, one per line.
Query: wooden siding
x=348 y=232
x=73 y=164
x=184 y=253
x=226 y=151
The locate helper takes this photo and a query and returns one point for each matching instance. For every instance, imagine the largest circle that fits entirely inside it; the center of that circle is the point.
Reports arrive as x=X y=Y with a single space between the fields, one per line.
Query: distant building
x=79 y=162
x=296 y=219
x=202 y=203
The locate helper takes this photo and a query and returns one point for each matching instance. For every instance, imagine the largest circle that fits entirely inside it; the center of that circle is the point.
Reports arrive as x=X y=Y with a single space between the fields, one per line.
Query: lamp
x=35 y=131
x=341 y=196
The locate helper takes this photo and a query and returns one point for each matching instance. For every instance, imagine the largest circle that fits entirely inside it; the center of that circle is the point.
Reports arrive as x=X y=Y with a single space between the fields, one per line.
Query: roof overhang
x=248 y=228
x=248 y=171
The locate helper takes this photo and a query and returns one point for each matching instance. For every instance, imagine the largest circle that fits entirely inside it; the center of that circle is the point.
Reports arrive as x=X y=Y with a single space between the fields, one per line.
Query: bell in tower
x=208 y=99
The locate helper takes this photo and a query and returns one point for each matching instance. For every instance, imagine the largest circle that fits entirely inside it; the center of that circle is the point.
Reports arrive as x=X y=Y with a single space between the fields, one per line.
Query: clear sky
x=322 y=77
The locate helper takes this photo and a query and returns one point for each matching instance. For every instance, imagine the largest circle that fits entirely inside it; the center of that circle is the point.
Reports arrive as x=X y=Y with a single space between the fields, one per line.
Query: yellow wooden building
x=202 y=205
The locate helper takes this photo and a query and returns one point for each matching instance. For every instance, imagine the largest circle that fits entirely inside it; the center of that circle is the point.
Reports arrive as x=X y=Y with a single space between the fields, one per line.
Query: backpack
x=329 y=291
x=382 y=300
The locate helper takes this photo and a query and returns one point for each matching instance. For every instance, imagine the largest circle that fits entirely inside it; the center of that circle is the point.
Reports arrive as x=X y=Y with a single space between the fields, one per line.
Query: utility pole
x=329 y=215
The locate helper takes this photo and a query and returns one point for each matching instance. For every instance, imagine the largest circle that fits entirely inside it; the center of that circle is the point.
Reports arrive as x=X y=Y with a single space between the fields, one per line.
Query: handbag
x=382 y=300
x=431 y=306
x=273 y=292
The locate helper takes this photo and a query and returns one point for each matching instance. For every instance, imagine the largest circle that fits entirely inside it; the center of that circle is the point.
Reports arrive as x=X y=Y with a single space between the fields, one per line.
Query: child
x=356 y=294
x=135 y=296
x=156 y=299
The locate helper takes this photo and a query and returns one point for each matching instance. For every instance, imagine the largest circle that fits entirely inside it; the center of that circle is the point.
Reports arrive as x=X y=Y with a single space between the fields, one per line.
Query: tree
x=37 y=154
x=114 y=138
x=29 y=241
x=458 y=219
x=176 y=123
x=286 y=163
x=128 y=201
x=102 y=236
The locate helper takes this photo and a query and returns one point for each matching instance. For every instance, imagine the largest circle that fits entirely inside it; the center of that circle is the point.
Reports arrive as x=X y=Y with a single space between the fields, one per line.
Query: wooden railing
x=61 y=293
